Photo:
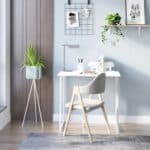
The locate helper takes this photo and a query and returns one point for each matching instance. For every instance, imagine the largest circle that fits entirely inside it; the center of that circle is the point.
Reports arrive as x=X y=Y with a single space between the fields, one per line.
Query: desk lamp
x=72 y=46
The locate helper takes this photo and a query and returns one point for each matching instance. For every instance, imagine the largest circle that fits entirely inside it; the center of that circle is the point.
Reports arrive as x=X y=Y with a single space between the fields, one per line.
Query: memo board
x=86 y=25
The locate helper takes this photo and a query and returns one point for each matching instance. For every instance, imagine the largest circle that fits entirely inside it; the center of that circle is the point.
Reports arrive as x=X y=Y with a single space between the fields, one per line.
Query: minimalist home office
x=94 y=46
x=75 y=74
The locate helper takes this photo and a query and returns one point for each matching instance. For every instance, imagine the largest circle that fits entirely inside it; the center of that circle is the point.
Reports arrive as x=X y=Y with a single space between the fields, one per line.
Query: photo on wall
x=135 y=12
x=72 y=19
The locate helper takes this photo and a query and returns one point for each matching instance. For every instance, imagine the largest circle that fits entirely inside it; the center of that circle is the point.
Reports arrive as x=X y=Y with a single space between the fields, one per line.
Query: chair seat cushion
x=89 y=104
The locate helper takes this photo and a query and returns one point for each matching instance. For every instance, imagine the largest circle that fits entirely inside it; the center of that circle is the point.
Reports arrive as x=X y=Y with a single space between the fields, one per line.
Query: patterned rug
x=45 y=141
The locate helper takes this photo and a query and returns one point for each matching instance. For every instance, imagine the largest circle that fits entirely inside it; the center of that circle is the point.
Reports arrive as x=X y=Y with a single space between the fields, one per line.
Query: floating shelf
x=129 y=26
x=139 y=26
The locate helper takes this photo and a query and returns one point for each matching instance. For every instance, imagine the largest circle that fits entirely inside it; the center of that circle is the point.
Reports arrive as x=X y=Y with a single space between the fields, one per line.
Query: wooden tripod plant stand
x=33 y=89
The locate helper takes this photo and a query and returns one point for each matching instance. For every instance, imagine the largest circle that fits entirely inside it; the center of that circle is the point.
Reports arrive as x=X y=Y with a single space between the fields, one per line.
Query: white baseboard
x=99 y=119
x=4 y=118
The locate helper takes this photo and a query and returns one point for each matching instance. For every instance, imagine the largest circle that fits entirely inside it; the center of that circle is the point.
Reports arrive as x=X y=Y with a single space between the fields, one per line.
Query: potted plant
x=112 y=29
x=33 y=64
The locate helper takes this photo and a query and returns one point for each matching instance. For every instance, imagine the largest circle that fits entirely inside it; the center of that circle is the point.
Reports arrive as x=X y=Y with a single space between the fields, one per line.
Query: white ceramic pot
x=33 y=72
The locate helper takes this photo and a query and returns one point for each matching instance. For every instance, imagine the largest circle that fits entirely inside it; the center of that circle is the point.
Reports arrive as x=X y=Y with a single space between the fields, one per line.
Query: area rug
x=45 y=141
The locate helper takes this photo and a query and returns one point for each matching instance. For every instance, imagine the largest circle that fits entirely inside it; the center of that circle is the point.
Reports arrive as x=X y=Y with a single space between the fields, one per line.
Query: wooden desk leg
x=117 y=104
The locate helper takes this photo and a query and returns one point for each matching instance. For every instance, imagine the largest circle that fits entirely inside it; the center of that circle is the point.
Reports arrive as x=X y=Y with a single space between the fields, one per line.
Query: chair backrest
x=96 y=86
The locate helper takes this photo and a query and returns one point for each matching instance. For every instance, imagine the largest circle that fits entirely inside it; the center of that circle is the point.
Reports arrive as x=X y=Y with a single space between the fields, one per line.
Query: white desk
x=62 y=79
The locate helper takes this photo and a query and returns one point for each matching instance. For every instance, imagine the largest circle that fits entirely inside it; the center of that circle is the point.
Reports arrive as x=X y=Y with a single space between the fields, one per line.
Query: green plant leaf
x=32 y=58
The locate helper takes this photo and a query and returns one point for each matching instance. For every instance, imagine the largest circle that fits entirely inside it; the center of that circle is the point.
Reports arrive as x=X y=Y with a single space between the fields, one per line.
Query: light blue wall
x=131 y=57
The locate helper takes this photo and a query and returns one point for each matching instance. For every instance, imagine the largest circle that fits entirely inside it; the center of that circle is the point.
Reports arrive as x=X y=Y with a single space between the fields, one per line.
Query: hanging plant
x=111 y=31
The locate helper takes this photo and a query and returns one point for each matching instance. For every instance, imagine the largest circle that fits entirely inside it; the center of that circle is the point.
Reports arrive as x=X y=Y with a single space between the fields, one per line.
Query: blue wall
x=131 y=57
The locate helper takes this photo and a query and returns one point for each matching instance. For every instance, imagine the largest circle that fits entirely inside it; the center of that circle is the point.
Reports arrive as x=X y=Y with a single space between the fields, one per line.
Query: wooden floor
x=13 y=134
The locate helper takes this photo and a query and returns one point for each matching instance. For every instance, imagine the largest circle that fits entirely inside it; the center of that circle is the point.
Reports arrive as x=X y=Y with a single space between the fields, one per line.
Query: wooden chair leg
x=106 y=119
x=87 y=126
x=83 y=126
x=84 y=116
x=69 y=113
x=67 y=121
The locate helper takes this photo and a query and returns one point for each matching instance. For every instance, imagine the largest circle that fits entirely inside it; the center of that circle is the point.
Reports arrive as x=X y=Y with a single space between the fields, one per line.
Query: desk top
x=78 y=74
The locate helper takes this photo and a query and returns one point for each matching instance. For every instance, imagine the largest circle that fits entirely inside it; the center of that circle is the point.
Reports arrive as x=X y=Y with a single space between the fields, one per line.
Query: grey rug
x=43 y=141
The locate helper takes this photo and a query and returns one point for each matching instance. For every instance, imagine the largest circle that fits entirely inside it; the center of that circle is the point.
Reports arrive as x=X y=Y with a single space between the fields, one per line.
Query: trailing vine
x=112 y=32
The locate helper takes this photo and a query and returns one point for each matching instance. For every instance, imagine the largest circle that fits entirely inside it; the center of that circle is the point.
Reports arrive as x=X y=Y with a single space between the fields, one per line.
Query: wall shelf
x=139 y=26
x=129 y=26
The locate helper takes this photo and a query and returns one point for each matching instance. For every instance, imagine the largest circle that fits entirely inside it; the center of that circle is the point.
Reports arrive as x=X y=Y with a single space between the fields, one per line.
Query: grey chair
x=95 y=87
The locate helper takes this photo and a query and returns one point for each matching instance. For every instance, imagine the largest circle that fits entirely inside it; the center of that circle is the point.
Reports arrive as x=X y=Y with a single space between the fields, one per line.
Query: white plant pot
x=33 y=72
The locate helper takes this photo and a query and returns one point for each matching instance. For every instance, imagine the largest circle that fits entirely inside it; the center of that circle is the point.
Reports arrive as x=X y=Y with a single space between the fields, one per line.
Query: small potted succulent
x=33 y=64
x=112 y=29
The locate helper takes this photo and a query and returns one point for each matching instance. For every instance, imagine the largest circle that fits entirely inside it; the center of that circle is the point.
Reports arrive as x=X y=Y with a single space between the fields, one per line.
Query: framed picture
x=135 y=12
x=72 y=19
